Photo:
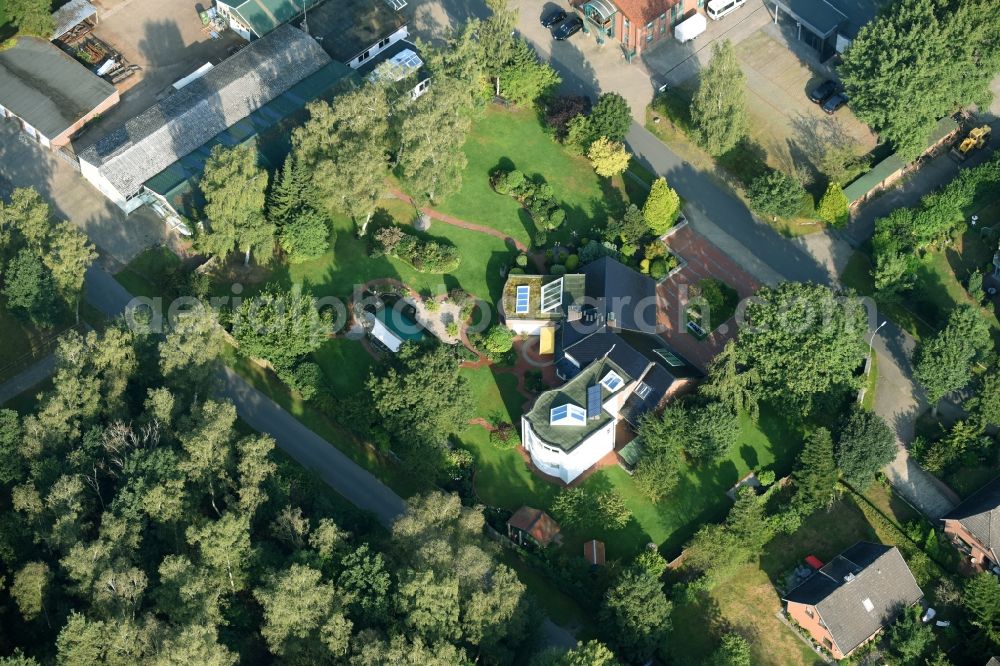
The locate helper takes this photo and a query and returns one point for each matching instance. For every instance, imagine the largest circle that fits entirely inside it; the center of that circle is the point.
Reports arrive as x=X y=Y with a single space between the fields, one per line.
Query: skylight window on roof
x=523 y=297
x=572 y=415
x=552 y=295
x=668 y=356
x=643 y=390
x=869 y=606
x=612 y=381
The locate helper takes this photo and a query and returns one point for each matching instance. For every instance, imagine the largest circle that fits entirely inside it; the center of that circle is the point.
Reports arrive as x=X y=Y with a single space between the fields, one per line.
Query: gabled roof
x=980 y=515
x=604 y=342
x=859 y=592
x=189 y=117
x=263 y=16
x=46 y=88
x=535 y=522
x=624 y=297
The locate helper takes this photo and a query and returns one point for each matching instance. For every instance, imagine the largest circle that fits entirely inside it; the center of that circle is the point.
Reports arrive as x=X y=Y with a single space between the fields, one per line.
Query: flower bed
x=425 y=256
x=537 y=198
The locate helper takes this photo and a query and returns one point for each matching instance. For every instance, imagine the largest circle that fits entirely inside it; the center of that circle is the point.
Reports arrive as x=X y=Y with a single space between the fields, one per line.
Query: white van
x=719 y=8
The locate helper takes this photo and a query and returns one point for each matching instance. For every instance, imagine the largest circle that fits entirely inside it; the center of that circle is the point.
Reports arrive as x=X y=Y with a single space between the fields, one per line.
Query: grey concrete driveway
x=24 y=163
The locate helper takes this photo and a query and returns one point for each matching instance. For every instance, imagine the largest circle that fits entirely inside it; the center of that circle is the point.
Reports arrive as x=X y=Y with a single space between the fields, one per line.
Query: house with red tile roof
x=636 y=25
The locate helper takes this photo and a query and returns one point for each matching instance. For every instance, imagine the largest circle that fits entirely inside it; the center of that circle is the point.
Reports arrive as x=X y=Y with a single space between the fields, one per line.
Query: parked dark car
x=821 y=92
x=568 y=28
x=551 y=19
x=834 y=102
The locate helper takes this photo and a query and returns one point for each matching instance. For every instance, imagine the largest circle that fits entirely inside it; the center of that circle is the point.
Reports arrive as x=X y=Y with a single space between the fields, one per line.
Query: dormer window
x=569 y=415
x=612 y=381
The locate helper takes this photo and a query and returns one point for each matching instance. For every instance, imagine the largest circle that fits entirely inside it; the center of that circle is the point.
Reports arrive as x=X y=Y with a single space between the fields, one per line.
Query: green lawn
x=937 y=292
x=348 y=265
x=503 y=479
x=149 y=274
x=515 y=139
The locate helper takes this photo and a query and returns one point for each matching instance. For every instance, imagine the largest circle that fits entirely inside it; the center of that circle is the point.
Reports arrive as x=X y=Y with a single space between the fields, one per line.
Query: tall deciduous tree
x=525 y=78
x=32 y=17
x=865 y=444
x=279 y=327
x=299 y=608
x=816 y=473
x=719 y=105
x=27 y=213
x=69 y=256
x=412 y=412
x=345 y=146
x=662 y=207
x=804 y=340
x=235 y=187
x=918 y=61
x=944 y=362
x=190 y=348
x=431 y=138
x=30 y=289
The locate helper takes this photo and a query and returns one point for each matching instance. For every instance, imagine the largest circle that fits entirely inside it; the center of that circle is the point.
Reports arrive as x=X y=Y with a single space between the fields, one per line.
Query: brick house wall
x=63 y=139
x=955 y=530
x=808 y=619
x=633 y=34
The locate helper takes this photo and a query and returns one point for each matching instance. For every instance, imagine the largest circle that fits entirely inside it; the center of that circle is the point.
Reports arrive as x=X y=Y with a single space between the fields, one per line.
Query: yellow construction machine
x=976 y=138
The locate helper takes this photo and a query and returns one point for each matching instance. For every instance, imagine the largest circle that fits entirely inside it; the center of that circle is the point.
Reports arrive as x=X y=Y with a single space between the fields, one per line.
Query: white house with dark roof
x=600 y=324
x=120 y=164
x=854 y=597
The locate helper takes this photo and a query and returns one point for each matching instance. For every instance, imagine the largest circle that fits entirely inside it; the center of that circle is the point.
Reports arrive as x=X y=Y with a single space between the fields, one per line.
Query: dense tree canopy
x=918 y=61
x=803 y=340
x=420 y=399
x=32 y=17
x=865 y=444
x=943 y=363
x=235 y=188
x=637 y=615
x=142 y=527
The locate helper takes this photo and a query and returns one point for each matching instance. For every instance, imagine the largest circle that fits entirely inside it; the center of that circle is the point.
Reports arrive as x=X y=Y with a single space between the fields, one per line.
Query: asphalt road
x=261 y=413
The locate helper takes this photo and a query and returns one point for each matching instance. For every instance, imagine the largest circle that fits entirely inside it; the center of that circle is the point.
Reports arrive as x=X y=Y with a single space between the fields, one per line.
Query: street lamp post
x=871 y=343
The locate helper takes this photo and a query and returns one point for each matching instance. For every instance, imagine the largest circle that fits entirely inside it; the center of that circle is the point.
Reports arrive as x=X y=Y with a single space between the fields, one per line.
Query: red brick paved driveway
x=703 y=260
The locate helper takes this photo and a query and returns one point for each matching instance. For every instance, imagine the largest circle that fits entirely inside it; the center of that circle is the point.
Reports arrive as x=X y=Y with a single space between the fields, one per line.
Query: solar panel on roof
x=593 y=401
x=523 y=297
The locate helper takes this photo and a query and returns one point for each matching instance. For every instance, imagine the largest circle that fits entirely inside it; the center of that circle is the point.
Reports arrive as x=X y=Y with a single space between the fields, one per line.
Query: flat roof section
x=819 y=16
x=345 y=28
x=46 y=88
